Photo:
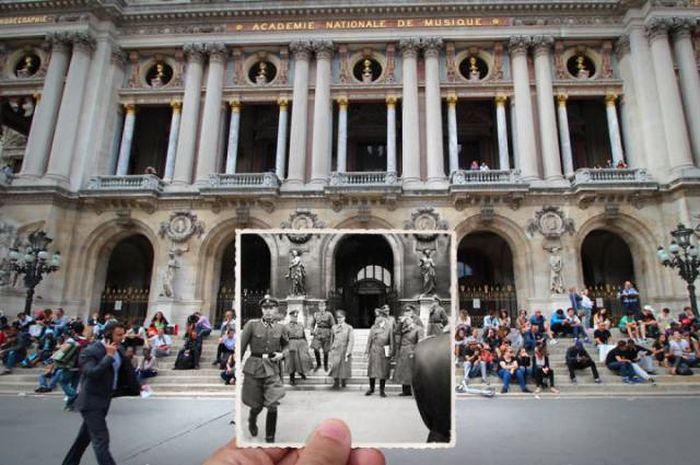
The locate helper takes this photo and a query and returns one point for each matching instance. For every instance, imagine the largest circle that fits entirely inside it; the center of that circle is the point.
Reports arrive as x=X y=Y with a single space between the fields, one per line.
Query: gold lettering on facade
x=349 y=24
x=24 y=20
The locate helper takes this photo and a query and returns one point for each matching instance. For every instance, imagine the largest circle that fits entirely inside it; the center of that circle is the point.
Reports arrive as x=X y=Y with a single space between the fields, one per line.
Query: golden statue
x=27 y=69
x=581 y=71
x=261 y=77
x=159 y=80
x=474 y=73
x=367 y=70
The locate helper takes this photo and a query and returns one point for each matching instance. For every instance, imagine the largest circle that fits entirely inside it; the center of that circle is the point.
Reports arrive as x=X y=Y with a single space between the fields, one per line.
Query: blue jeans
x=10 y=359
x=623 y=369
x=69 y=384
x=579 y=332
x=506 y=377
x=143 y=374
x=50 y=382
x=473 y=370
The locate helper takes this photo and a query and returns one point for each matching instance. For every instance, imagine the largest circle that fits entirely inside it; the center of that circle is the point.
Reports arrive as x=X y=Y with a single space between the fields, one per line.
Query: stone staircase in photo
x=611 y=385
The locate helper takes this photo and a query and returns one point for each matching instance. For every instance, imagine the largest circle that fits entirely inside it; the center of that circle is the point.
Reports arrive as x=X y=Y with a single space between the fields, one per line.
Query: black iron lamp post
x=683 y=257
x=34 y=264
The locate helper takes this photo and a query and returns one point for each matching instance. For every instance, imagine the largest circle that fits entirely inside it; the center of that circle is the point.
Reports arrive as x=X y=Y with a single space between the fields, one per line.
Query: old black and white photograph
x=353 y=325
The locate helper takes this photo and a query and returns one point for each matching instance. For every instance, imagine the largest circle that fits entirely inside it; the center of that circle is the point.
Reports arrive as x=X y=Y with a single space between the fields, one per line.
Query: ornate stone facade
x=476 y=66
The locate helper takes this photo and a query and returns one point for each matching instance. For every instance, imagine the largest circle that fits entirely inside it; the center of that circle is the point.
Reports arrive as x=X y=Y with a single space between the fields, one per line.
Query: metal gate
x=125 y=304
x=480 y=300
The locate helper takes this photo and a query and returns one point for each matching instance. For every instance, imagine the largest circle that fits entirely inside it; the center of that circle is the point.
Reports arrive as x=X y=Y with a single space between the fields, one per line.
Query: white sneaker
x=552 y=341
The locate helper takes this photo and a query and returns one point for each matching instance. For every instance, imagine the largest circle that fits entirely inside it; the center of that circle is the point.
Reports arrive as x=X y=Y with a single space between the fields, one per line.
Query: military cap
x=384 y=309
x=268 y=301
x=294 y=312
x=340 y=313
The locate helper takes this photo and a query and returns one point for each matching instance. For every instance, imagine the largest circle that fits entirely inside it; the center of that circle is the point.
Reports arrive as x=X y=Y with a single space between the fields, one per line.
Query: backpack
x=185 y=360
x=684 y=370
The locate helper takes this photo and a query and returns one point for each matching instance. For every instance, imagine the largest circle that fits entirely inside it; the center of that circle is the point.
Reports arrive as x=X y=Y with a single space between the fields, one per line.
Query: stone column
x=452 y=132
x=189 y=122
x=565 y=136
x=44 y=120
x=281 y=154
x=233 y=133
x=433 y=112
x=67 y=126
x=545 y=105
x=211 y=120
x=502 y=128
x=342 y=158
x=410 y=135
x=176 y=105
x=614 y=129
x=391 y=134
x=689 y=79
x=677 y=141
x=127 y=137
x=524 y=127
x=634 y=141
x=320 y=155
x=514 y=134
x=300 y=103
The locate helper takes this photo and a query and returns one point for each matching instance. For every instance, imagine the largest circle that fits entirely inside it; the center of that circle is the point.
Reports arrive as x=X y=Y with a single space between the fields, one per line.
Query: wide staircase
x=585 y=386
x=206 y=381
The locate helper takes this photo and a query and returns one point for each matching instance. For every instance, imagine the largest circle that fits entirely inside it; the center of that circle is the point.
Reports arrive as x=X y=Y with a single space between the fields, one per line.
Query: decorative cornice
x=409 y=47
x=301 y=49
x=323 y=49
x=519 y=44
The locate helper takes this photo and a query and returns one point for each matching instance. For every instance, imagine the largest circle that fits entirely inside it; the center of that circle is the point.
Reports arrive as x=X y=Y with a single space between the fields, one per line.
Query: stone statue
x=556 y=283
x=261 y=77
x=296 y=274
x=582 y=72
x=168 y=275
x=27 y=69
x=367 y=71
x=474 y=74
x=427 y=269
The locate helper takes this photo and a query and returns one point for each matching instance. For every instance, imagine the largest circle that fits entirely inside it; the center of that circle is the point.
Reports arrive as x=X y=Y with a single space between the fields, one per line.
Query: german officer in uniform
x=380 y=344
x=298 y=359
x=322 y=323
x=437 y=321
x=262 y=376
x=407 y=337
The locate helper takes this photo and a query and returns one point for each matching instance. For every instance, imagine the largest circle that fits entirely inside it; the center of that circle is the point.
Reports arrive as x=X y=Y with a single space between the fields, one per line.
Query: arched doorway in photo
x=485 y=275
x=364 y=278
x=607 y=263
x=128 y=281
x=255 y=276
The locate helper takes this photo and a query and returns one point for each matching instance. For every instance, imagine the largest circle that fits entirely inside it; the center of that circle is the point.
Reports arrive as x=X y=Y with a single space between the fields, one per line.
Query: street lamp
x=34 y=263
x=684 y=257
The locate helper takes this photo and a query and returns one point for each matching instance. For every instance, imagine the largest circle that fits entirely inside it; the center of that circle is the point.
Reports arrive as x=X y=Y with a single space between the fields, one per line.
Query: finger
x=329 y=444
x=291 y=458
x=230 y=454
x=366 y=457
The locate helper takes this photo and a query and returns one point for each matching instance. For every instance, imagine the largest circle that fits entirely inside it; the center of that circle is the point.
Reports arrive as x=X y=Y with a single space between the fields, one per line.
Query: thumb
x=329 y=444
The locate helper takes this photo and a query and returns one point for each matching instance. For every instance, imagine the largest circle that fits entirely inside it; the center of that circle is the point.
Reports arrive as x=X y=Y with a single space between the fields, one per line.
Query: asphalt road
x=624 y=431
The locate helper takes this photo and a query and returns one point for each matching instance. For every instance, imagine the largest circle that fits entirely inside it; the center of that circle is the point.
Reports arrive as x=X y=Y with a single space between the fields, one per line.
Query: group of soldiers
x=271 y=341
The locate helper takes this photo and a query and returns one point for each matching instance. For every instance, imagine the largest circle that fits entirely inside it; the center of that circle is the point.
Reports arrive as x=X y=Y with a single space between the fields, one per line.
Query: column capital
x=130 y=108
x=83 y=41
x=194 y=52
x=342 y=102
x=610 y=99
x=301 y=49
x=283 y=102
x=501 y=99
x=518 y=45
x=409 y=47
x=562 y=99
x=542 y=44
x=682 y=27
x=431 y=46
x=176 y=105
x=657 y=28
x=216 y=51
x=37 y=96
x=235 y=105
x=59 y=41
x=622 y=46
x=391 y=100
x=323 y=49
x=119 y=56
x=451 y=99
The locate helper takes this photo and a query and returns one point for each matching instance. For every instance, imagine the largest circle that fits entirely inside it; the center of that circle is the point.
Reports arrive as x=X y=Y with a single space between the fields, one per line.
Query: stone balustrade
x=137 y=182
x=610 y=176
x=363 y=178
x=243 y=180
x=489 y=177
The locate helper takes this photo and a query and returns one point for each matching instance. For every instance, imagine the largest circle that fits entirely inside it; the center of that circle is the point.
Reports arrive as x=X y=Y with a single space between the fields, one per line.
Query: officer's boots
x=271 y=425
x=292 y=381
x=343 y=382
x=382 y=386
x=371 y=387
x=325 y=361
x=253 y=421
x=318 y=359
x=336 y=383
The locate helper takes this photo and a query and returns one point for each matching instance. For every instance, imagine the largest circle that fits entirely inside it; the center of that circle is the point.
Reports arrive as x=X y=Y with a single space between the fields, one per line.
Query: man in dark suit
x=106 y=373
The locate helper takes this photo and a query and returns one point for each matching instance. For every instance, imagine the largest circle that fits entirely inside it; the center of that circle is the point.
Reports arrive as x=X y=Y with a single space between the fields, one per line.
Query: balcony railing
x=364 y=179
x=136 y=182
x=610 y=176
x=267 y=180
x=489 y=177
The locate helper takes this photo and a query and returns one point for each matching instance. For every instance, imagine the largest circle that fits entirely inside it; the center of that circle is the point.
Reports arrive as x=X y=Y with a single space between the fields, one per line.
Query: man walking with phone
x=106 y=373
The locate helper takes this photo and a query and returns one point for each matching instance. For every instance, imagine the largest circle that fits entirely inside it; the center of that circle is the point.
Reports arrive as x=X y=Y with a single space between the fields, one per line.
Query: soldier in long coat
x=262 y=376
x=342 y=341
x=407 y=337
x=298 y=359
x=379 y=348
x=437 y=321
x=322 y=323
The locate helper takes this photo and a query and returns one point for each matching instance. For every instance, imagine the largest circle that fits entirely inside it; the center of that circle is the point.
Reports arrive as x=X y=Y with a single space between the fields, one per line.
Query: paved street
x=624 y=431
